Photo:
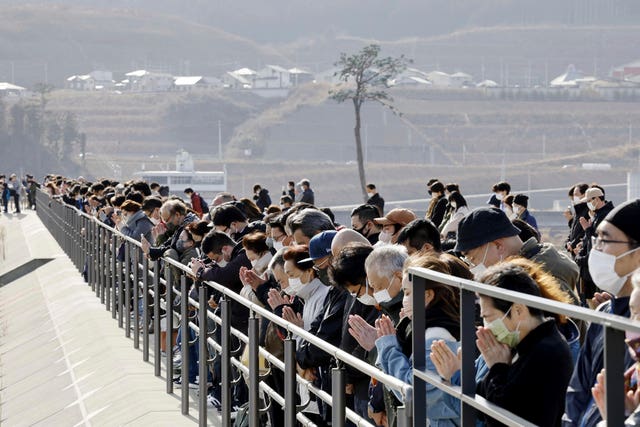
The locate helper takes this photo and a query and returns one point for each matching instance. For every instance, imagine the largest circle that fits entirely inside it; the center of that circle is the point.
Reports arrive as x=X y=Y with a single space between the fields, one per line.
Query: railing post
x=419 y=361
x=184 y=344
x=203 y=353
x=338 y=412
x=468 y=340
x=104 y=269
x=136 y=291
x=94 y=256
x=120 y=268
x=254 y=372
x=169 y=347
x=99 y=255
x=225 y=361
x=127 y=290
x=145 y=307
x=90 y=238
x=156 y=319
x=614 y=372
x=405 y=413
x=290 y=382
x=114 y=275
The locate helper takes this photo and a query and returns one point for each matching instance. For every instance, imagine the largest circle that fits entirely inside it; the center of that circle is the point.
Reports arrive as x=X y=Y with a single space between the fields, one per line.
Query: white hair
x=386 y=260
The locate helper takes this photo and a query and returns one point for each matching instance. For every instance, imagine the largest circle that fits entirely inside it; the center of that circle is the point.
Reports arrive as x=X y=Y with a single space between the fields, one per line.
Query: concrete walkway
x=63 y=359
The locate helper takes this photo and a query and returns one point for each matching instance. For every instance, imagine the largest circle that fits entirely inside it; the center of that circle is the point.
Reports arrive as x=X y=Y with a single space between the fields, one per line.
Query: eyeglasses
x=596 y=242
x=318 y=266
x=467 y=261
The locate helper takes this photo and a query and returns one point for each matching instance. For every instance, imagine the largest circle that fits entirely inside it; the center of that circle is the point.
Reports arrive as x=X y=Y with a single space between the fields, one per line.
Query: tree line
x=36 y=138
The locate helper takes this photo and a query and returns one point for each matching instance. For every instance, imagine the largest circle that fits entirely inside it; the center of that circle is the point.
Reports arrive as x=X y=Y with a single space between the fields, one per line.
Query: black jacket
x=308 y=196
x=229 y=277
x=436 y=215
x=263 y=200
x=328 y=327
x=378 y=202
x=587 y=286
x=576 y=232
x=533 y=386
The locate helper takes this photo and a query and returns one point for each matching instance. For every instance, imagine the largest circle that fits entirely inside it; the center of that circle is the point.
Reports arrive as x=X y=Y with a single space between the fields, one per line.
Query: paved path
x=63 y=359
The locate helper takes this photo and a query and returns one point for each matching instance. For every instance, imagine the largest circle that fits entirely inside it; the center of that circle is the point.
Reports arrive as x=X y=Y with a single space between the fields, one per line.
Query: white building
x=439 y=79
x=300 y=77
x=147 y=81
x=8 y=89
x=461 y=79
x=572 y=78
x=95 y=80
x=231 y=80
x=272 y=77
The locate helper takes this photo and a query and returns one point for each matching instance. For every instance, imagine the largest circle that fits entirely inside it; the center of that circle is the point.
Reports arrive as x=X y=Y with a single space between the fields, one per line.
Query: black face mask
x=361 y=230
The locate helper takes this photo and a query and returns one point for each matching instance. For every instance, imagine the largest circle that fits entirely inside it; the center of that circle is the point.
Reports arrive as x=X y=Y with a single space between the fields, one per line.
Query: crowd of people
x=13 y=189
x=349 y=286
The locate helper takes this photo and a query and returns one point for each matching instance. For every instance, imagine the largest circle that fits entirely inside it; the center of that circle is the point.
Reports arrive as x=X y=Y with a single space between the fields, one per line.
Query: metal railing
x=120 y=284
x=93 y=248
x=614 y=348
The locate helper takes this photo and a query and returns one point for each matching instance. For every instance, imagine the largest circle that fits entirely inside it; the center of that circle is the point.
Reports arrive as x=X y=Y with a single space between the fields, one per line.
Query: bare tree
x=366 y=77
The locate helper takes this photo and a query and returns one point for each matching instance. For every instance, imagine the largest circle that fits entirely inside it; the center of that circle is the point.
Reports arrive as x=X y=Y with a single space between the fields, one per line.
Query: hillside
x=523 y=55
x=471 y=140
x=39 y=43
x=279 y=21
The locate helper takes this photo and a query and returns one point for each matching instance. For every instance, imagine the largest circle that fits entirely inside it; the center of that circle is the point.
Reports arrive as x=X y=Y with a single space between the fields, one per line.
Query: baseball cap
x=481 y=226
x=396 y=216
x=320 y=246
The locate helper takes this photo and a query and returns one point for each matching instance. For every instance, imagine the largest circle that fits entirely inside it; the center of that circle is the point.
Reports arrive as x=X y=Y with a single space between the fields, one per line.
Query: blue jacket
x=442 y=409
x=580 y=409
x=529 y=219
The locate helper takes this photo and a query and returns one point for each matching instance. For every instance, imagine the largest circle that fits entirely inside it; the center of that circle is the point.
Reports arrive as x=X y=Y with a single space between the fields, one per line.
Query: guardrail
x=93 y=246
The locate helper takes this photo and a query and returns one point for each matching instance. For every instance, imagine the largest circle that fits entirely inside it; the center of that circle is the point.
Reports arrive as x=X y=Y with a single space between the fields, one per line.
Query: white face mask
x=383 y=295
x=370 y=194
x=278 y=245
x=407 y=305
x=499 y=196
x=222 y=263
x=365 y=298
x=385 y=237
x=253 y=263
x=154 y=220
x=480 y=268
x=602 y=270
x=294 y=286
x=517 y=210
x=576 y=199
x=591 y=206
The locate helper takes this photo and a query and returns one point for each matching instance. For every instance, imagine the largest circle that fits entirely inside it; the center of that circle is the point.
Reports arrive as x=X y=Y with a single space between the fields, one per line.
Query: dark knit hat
x=481 y=226
x=627 y=218
x=522 y=200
